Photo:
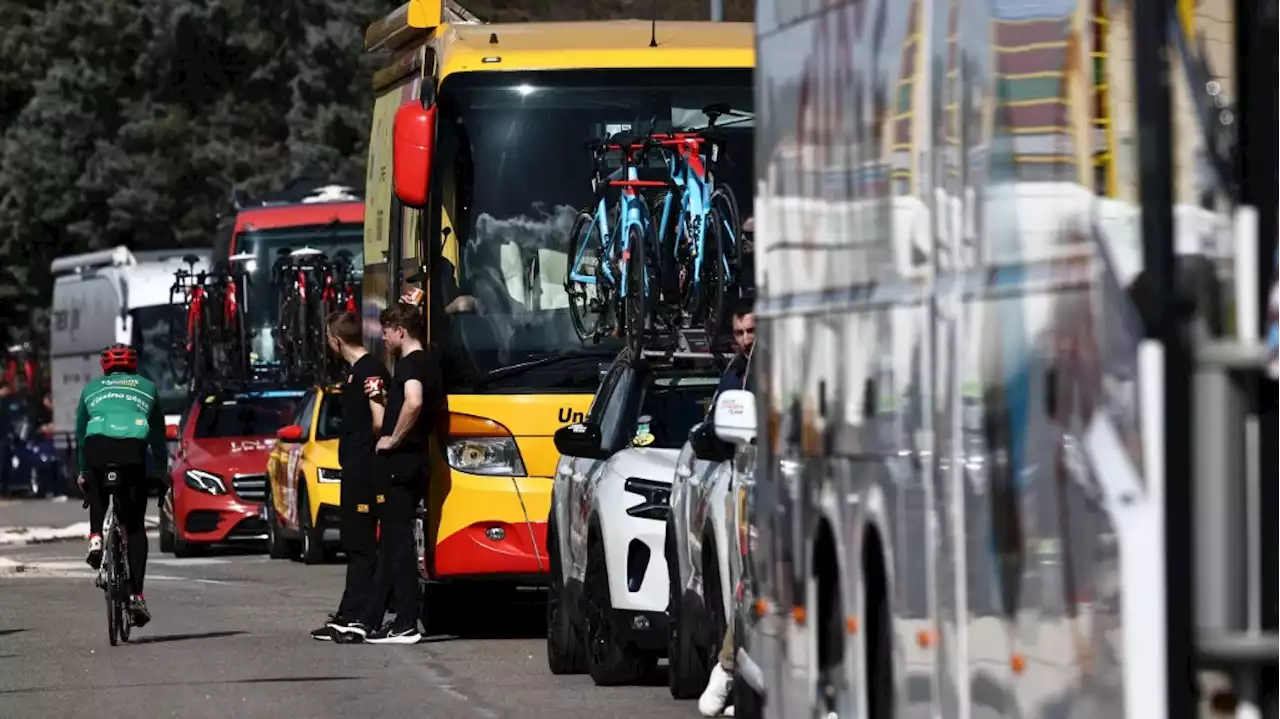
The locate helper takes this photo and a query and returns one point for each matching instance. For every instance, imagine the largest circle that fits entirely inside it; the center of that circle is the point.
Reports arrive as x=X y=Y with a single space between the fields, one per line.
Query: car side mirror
x=707 y=446
x=735 y=417
x=171 y=432
x=291 y=433
x=580 y=440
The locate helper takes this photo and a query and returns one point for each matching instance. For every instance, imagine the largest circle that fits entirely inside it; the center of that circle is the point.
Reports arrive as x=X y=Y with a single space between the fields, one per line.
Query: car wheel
x=610 y=661
x=34 y=485
x=166 y=534
x=312 y=546
x=564 y=641
x=687 y=670
x=182 y=549
x=277 y=547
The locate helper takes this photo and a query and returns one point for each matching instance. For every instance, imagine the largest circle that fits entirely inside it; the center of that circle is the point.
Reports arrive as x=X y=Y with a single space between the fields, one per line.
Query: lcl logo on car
x=568 y=416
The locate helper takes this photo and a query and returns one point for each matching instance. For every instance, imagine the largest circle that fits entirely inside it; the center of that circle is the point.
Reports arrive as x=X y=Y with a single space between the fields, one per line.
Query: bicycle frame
x=693 y=177
x=633 y=212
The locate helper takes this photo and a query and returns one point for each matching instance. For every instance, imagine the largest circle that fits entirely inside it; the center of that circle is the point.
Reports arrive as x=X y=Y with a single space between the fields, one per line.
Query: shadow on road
x=182 y=637
x=7 y=632
x=144 y=685
x=513 y=621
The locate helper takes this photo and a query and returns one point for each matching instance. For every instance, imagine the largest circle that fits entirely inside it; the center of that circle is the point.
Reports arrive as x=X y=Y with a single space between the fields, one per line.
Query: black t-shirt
x=356 y=440
x=422 y=366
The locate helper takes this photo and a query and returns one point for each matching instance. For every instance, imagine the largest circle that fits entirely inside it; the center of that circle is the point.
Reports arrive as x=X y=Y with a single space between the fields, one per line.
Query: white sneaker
x=716 y=696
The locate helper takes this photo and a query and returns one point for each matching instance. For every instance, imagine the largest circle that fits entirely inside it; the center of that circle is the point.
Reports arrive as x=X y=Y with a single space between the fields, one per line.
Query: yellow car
x=304 y=481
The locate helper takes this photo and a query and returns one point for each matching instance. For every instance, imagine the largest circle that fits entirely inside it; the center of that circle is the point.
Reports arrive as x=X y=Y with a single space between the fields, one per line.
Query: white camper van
x=113 y=296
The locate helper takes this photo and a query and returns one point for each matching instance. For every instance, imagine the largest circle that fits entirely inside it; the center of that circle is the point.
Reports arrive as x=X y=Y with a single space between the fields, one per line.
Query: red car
x=219 y=479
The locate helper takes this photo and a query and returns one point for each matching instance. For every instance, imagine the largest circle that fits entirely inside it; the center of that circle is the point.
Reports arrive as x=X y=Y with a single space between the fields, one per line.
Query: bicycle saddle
x=626 y=139
x=715 y=110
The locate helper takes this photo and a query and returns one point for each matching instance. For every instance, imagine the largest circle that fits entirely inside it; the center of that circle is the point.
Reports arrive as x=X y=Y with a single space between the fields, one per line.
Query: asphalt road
x=229 y=639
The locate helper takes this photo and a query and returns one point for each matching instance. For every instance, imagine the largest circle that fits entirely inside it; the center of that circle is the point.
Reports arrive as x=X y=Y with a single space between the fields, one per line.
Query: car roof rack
x=684 y=343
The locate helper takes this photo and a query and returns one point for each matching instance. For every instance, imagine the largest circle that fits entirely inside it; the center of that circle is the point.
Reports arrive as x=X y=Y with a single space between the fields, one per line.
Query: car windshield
x=515 y=168
x=330 y=422
x=671 y=406
x=244 y=416
x=342 y=242
x=152 y=329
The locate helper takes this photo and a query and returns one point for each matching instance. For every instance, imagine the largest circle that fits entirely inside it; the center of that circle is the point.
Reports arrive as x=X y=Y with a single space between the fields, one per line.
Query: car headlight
x=657 y=498
x=329 y=476
x=498 y=456
x=202 y=481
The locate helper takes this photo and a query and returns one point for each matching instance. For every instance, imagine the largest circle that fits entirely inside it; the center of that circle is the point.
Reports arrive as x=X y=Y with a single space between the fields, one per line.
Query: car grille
x=250 y=487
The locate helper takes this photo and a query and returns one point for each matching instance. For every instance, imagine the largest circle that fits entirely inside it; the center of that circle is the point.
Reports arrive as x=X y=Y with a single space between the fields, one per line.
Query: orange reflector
x=798 y=614
x=924 y=638
x=851 y=624
x=761 y=607
x=466 y=425
x=1018 y=663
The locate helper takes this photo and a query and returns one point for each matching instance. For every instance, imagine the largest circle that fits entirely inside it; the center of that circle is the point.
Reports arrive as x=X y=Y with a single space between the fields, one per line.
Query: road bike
x=699 y=226
x=613 y=278
x=298 y=336
x=113 y=574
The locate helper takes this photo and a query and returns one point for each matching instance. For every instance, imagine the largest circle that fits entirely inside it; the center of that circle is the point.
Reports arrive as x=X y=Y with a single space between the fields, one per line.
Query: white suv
x=606 y=609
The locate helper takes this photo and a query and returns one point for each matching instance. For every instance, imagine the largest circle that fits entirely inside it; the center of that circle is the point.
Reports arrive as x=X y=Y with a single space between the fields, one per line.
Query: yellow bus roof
x=613 y=44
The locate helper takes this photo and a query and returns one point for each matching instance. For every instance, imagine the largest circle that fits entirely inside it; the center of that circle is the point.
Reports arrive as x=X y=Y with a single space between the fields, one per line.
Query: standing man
x=413 y=400
x=361 y=424
x=715 y=697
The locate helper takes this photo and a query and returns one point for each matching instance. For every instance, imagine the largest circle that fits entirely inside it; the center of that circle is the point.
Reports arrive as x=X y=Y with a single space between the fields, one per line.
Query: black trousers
x=401 y=483
x=130 y=457
x=359 y=536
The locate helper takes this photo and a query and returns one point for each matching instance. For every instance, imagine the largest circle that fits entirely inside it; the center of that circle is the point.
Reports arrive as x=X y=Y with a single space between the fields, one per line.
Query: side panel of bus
x=951 y=378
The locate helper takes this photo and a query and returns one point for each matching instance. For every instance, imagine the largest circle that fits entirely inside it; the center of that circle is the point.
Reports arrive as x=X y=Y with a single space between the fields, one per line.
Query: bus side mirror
x=413 y=145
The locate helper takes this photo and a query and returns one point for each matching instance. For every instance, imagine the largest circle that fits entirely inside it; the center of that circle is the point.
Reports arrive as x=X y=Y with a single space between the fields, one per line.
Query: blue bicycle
x=612 y=246
x=701 y=265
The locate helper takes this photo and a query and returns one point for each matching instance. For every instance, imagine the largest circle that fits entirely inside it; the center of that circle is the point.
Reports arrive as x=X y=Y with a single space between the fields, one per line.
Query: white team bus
x=109 y=296
x=956 y=508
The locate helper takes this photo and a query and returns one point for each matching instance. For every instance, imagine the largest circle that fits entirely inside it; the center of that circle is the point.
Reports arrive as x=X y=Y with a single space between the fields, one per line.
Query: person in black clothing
x=413 y=399
x=361 y=422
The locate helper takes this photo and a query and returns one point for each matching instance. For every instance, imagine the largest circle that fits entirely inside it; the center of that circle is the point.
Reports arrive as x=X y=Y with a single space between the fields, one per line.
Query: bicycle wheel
x=121 y=586
x=713 y=280
x=731 y=226
x=587 y=301
x=110 y=582
x=635 y=310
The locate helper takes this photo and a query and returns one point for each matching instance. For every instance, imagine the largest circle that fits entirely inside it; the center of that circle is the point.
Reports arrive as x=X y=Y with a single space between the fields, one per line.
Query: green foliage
x=128 y=121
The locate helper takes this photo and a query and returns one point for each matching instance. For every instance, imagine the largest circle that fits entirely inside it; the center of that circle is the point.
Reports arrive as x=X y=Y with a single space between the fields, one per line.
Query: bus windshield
x=244 y=416
x=336 y=240
x=515 y=169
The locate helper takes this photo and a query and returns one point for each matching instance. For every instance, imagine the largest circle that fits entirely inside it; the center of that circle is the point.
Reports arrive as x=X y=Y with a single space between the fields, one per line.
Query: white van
x=109 y=296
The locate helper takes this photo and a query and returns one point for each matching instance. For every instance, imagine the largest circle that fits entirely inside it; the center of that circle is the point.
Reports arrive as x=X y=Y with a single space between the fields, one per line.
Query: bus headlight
x=486 y=455
x=202 y=481
x=481 y=446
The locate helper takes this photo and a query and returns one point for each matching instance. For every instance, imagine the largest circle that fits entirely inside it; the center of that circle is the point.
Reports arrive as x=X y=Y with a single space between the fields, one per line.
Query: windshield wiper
x=573 y=356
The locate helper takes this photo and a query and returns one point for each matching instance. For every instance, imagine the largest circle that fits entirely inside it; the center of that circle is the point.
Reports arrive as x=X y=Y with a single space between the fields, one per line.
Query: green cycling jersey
x=122 y=406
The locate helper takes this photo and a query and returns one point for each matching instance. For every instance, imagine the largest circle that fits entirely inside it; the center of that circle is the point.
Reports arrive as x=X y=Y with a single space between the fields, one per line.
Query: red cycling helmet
x=119 y=357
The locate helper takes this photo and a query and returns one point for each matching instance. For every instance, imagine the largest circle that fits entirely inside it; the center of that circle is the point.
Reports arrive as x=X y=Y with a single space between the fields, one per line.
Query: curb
x=17 y=536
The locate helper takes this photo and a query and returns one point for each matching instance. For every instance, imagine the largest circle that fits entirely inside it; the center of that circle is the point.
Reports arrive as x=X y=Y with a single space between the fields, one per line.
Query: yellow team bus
x=478 y=165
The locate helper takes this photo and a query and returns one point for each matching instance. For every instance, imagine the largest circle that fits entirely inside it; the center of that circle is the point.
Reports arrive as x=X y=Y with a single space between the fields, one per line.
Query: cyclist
x=118 y=421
